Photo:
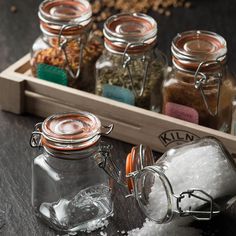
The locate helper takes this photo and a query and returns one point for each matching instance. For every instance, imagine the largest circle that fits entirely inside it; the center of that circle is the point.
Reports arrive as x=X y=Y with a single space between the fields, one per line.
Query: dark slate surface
x=17 y=33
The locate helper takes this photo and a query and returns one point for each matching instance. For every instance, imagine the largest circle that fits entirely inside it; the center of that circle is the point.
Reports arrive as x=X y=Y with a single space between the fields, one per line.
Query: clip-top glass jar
x=196 y=179
x=131 y=68
x=70 y=192
x=199 y=89
x=65 y=48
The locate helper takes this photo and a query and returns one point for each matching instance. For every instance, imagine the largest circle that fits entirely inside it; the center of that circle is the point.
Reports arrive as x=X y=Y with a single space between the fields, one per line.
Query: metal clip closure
x=109 y=130
x=104 y=161
x=201 y=214
x=203 y=80
x=35 y=139
x=126 y=64
x=63 y=44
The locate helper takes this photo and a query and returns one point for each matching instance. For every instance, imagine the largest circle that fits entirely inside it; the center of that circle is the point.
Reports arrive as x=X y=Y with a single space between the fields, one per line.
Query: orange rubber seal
x=130 y=168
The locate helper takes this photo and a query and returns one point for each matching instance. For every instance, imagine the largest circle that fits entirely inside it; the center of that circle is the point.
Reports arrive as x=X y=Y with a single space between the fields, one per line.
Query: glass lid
x=199 y=46
x=65 y=11
x=79 y=129
x=137 y=29
x=54 y=14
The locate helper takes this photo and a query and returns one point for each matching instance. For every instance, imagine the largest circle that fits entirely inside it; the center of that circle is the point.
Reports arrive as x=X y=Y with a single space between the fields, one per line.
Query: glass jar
x=199 y=89
x=70 y=192
x=196 y=179
x=65 y=48
x=131 y=69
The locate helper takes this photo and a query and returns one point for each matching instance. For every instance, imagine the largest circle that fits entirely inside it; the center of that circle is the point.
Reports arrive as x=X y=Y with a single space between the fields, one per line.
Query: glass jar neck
x=71 y=155
x=122 y=51
x=210 y=67
x=157 y=171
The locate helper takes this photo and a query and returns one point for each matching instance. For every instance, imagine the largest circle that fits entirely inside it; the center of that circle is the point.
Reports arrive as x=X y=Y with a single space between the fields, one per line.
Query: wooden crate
x=20 y=93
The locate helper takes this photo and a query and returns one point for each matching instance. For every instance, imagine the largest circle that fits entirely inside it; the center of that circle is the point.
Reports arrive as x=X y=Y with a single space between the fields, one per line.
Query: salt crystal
x=91 y=226
x=201 y=167
x=103 y=233
x=151 y=228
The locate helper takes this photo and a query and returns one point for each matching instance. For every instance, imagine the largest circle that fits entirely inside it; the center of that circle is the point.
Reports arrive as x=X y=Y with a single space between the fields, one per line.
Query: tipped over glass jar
x=66 y=49
x=70 y=192
x=200 y=88
x=131 y=68
x=196 y=180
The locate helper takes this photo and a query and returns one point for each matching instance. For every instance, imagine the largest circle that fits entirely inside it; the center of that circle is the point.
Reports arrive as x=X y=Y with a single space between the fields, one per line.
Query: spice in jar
x=199 y=89
x=131 y=69
x=66 y=46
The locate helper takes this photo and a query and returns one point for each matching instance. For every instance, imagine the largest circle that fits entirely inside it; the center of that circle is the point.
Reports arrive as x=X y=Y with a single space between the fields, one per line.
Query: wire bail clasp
x=126 y=64
x=35 y=138
x=199 y=82
x=104 y=161
x=200 y=214
x=63 y=46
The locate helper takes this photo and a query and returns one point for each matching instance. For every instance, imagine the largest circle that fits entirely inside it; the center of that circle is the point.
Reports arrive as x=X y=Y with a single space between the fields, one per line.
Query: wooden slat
x=21 y=66
x=132 y=124
x=12 y=93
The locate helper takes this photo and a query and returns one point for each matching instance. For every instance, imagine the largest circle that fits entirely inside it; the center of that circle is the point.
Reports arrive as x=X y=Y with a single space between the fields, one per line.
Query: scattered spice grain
x=102 y=9
x=13 y=9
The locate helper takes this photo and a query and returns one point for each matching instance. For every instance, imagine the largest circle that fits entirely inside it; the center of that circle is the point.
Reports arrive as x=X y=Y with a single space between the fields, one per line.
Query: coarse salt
x=203 y=167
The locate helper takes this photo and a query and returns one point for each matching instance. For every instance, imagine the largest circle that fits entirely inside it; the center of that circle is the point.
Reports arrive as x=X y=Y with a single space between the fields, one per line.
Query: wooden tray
x=20 y=93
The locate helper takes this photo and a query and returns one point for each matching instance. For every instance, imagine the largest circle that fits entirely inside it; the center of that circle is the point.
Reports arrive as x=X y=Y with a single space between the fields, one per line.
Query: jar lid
x=54 y=14
x=71 y=131
x=139 y=157
x=137 y=29
x=193 y=47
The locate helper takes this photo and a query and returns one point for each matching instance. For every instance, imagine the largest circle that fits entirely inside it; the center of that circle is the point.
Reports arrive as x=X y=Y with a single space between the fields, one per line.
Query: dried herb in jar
x=116 y=75
x=130 y=70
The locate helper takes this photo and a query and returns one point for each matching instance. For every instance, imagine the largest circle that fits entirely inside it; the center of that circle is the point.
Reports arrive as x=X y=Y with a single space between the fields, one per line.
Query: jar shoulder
x=107 y=59
x=39 y=44
x=40 y=165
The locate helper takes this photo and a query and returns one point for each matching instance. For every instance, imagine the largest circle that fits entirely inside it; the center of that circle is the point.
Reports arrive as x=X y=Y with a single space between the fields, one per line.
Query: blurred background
x=19 y=25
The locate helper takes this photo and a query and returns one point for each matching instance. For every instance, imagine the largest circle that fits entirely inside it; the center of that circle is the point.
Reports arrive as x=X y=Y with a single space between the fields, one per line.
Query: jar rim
x=71 y=131
x=55 y=14
x=190 y=48
x=136 y=30
x=155 y=170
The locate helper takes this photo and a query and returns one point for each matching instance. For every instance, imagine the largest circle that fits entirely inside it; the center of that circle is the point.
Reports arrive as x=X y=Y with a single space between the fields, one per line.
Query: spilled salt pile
x=103 y=233
x=203 y=167
x=91 y=226
x=151 y=228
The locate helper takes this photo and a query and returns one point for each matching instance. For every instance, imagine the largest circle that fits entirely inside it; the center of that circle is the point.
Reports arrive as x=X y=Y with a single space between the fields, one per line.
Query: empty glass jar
x=199 y=89
x=70 y=192
x=196 y=179
x=131 y=68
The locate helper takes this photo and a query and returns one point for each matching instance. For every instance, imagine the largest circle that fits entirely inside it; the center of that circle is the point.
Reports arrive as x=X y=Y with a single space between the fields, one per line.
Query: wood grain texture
x=135 y=125
x=17 y=32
